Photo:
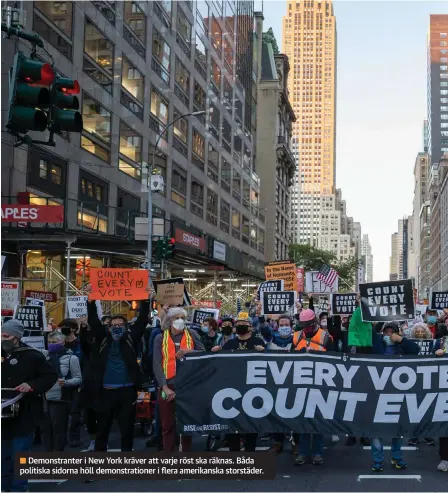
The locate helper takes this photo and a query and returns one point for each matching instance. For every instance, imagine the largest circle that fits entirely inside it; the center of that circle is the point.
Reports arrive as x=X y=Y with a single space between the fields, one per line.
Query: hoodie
x=280 y=342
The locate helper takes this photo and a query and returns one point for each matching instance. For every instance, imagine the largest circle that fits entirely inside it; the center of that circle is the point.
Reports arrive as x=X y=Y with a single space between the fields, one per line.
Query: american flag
x=327 y=275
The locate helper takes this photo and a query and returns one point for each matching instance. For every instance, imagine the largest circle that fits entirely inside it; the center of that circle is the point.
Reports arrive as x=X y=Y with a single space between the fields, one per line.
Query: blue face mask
x=431 y=319
x=205 y=329
x=388 y=341
x=117 y=332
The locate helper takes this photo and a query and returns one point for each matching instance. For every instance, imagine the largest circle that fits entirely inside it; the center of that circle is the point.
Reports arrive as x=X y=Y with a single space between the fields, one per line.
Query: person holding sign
x=173 y=344
x=441 y=349
x=114 y=375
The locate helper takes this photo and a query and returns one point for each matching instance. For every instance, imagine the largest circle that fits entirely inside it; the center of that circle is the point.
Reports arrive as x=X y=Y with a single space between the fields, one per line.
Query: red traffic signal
x=35 y=72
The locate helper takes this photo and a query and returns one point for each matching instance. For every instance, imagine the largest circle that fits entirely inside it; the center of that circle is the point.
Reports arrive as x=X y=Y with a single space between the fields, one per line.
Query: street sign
x=155 y=265
x=42 y=295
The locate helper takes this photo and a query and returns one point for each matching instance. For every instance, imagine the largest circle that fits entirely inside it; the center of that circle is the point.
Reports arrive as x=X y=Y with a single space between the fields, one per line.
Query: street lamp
x=150 y=171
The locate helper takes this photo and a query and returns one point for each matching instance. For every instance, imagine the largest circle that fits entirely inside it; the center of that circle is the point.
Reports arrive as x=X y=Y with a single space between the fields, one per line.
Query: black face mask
x=242 y=329
x=227 y=330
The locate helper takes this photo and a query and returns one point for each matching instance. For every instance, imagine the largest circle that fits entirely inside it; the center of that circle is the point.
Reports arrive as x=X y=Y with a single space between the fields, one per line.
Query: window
x=202 y=15
x=226 y=171
x=216 y=36
x=49 y=34
x=224 y=215
x=212 y=207
x=59 y=13
x=200 y=51
x=106 y=9
x=226 y=134
x=228 y=56
x=236 y=186
x=164 y=13
x=50 y=171
x=199 y=97
x=135 y=19
x=215 y=74
x=129 y=169
x=180 y=127
x=214 y=120
x=90 y=221
x=101 y=51
x=159 y=106
x=178 y=185
x=183 y=27
x=43 y=169
x=229 y=14
x=197 y=197
x=236 y=222
x=130 y=143
x=182 y=77
x=198 y=144
x=96 y=128
x=133 y=80
x=161 y=53
x=92 y=189
x=213 y=164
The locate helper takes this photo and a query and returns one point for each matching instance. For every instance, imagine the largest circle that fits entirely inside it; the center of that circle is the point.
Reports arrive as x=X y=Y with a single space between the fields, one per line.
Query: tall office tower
x=309 y=41
x=366 y=251
x=394 y=258
x=438 y=86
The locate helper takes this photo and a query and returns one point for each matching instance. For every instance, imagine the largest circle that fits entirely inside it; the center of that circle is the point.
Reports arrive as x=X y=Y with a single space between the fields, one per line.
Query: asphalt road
x=345 y=469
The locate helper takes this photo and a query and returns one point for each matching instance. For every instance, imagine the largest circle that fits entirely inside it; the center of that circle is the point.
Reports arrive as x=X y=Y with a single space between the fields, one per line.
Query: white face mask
x=179 y=324
x=323 y=324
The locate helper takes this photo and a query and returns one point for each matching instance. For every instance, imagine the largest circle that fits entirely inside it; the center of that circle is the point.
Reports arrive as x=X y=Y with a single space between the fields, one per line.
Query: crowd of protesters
x=92 y=371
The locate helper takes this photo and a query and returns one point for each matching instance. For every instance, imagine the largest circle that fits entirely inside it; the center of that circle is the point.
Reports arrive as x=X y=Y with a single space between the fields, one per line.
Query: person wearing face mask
x=54 y=425
x=310 y=337
x=246 y=340
x=173 y=344
x=390 y=342
x=114 y=374
x=441 y=349
x=27 y=371
x=227 y=330
x=431 y=320
x=210 y=337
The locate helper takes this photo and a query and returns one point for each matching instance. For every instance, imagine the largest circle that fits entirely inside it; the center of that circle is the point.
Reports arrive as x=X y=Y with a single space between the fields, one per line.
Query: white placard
x=314 y=286
x=10 y=295
x=36 y=342
x=219 y=251
x=77 y=306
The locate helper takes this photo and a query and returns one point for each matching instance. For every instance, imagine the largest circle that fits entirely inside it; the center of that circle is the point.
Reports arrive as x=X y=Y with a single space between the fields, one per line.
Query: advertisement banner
x=369 y=396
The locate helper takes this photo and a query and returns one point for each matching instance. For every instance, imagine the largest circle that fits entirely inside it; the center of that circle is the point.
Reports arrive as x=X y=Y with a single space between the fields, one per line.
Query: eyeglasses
x=116 y=326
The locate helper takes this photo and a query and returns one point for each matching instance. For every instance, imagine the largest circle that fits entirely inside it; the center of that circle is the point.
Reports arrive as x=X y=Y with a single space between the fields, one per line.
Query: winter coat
x=406 y=346
x=68 y=366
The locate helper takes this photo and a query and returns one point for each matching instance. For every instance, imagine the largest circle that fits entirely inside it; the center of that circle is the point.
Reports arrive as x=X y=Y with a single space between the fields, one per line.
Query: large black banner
x=439 y=301
x=371 y=396
x=387 y=301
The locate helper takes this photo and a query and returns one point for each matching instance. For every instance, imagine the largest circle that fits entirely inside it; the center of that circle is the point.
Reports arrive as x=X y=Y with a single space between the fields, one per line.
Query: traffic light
x=170 y=248
x=64 y=116
x=29 y=94
x=165 y=248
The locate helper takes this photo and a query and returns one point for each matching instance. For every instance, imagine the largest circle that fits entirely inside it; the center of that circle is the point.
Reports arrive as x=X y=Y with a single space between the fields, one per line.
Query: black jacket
x=99 y=348
x=26 y=365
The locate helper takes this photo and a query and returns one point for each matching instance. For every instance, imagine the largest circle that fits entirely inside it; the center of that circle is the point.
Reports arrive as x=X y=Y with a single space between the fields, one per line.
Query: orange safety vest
x=316 y=343
x=169 y=351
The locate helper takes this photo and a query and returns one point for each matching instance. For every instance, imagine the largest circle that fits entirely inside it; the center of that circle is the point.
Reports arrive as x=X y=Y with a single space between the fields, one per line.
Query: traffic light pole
x=150 y=171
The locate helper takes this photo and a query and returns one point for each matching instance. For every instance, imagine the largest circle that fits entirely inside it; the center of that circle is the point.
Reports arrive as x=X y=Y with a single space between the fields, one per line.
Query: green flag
x=359 y=332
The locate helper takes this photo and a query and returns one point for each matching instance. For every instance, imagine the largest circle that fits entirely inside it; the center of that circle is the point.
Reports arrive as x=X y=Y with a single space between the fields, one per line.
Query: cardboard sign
x=170 y=294
x=31 y=316
x=42 y=295
x=200 y=316
x=425 y=345
x=279 y=302
x=10 y=297
x=315 y=286
x=77 y=306
x=36 y=342
x=282 y=270
x=387 y=301
x=174 y=280
x=119 y=284
x=343 y=303
x=439 y=301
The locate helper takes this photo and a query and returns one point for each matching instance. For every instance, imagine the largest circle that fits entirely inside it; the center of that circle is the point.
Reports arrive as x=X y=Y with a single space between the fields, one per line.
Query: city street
x=345 y=469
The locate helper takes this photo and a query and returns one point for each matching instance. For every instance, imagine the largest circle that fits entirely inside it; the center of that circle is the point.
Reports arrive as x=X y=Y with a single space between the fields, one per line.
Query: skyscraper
x=438 y=86
x=309 y=41
x=366 y=251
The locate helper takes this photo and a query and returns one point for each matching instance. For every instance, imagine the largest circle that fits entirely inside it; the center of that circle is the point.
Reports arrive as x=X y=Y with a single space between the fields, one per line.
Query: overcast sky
x=381 y=105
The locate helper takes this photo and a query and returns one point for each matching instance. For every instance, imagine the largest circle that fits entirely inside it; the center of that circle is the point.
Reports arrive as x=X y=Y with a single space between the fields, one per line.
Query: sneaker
x=378 y=466
x=300 y=460
x=443 y=466
x=413 y=442
x=365 y=441
x=91 y=447
x=399 y=463
x=334 y=438
x=350 y=441
x=318 y=460
x=430 y=442
x=276 y=448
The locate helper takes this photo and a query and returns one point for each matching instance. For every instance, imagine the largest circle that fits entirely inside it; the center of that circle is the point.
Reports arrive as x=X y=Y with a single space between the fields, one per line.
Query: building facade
x=438 y=86
x=366 y=251
x=309 y=41
x=394 y=258
x=275 y=162
x=141 y=65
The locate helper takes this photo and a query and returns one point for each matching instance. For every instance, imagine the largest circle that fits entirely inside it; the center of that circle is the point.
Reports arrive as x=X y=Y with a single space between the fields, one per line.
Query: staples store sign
x=32 y=213
x=190 y=240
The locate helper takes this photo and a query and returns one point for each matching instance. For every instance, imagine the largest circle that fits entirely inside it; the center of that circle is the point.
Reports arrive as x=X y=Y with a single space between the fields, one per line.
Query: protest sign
x=315 y=286
x=277 y=285
x=36 y=342
x=387 y=301
x=343 y=303
x=425 y=345
x=31 y=316
x=174 y=280
x=359 y=332
x=439 y=300
x=300 y=274
x=170 y=294
x=201 y=315
x=366 y=395
x=119 y=284
x=10 y=297
x=37 y=302
x=282 y=270
x=77 y=306
x=279 y=302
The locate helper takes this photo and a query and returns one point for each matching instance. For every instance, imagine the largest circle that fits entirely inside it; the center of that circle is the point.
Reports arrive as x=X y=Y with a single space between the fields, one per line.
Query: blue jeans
x=305 y=444
x=9 y=450
x=378 y=452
